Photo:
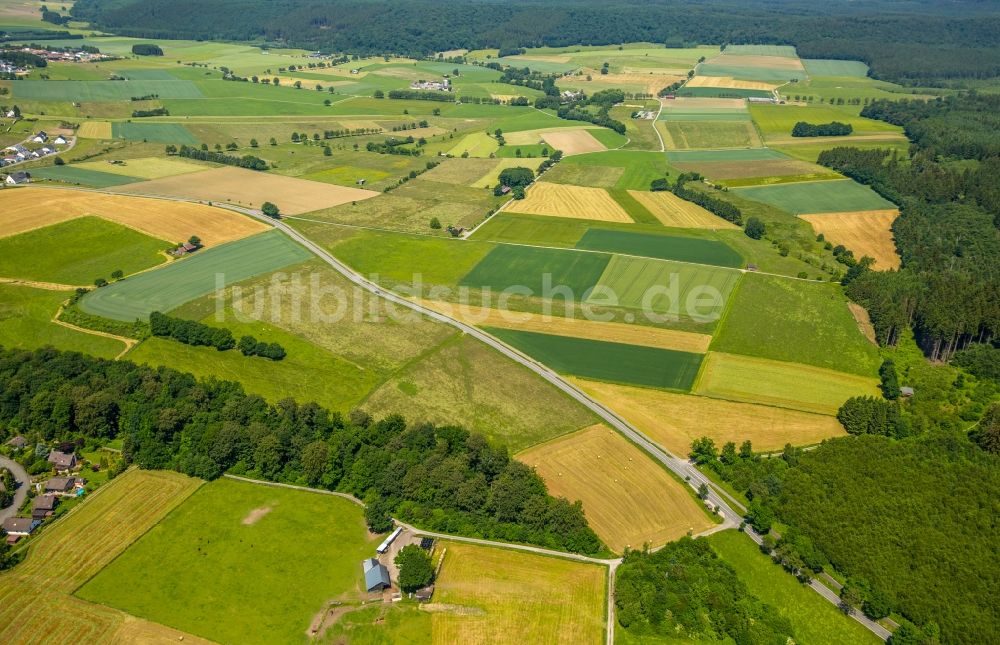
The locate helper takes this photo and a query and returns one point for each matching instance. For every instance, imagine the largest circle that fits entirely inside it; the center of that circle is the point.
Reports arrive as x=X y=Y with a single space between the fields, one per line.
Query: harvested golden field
x=530 y=137
x=30 y=208
x=864 y=232
x=675 y=420
x=95 y=130
x=650 y=82
x=729 y=81
x=573 y=142
x=251 y=188
x=576 y=327
x=671 y=210
x=35 y=601
x=767 y=62
x=507 y=597
x=690 y=103
x=145 y=167
x=628 y=498
x=563 y=200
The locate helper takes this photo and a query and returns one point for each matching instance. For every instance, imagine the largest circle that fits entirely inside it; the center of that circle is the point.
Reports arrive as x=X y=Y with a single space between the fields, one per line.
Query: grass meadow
x=818 y=197
x=639 y=168
x=795 y=321
x=154 y=132
x=180 y=573
x=780 y=119
x=189 y=278
x=82 y=176
x=77 y=251
x=662 y=247
x=607 y=361
x=685 y=135
x=537 y=269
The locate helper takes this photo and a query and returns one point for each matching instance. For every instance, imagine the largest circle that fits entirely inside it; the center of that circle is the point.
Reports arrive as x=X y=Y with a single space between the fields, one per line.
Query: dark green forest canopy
x=911 y=42
x=440 y=477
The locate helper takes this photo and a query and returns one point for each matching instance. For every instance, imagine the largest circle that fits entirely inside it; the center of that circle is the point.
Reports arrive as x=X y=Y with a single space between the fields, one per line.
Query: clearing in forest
x=251 y=188
x=638 y=502
x=863 y=232
x=563 y=200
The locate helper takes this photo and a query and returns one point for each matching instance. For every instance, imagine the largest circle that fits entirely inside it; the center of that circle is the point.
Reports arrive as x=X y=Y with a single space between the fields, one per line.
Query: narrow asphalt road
x=21 y=477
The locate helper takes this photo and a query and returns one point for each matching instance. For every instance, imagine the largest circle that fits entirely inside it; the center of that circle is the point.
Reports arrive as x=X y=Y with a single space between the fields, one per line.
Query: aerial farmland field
x=818 y=197
x=641 y=504
x=532 y=268
x=663 y=247
x=564 y=200
x=83 y=176
x=863 y=232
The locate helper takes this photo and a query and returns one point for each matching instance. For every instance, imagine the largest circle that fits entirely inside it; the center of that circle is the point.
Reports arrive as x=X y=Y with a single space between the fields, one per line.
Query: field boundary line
x=307 y=489
x=34 y=284
x=129 y=342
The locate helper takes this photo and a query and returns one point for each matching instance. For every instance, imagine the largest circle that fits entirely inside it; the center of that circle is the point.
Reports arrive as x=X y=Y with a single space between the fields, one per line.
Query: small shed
x=376 y=575
x=906 y=391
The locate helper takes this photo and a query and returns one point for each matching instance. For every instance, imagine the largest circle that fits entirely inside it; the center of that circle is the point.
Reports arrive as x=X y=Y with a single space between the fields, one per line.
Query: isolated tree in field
x=327 y=152
x=435 y=223
x=273 y=141
x=415 y=568
x=253 y=143
x=100 y=282
x=171 y=149
x=59 y=161
x=517 y=176
x=755 y=228
x=270 y=210
x=117 y=274
x=659 y=184
x=378 y=94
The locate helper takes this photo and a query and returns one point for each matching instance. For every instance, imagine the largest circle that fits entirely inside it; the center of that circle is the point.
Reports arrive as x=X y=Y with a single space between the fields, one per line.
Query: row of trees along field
x=439 y=477
x=947 y=233
x=915 y=43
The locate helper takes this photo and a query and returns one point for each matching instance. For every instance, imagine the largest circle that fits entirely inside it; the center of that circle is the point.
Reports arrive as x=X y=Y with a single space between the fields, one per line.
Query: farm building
x=424 y=595
x=18 y=442
x=382 y=548
x=18 y=178
x=376 y=575
x=20 y=525
x=43 y=506
x=41 y=137
x=62 y=461
x=906 y=391
x=60 y=140
x=441 y=86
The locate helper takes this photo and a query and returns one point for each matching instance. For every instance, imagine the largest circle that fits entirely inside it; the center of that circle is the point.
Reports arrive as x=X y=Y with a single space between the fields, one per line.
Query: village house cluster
x=20 y=152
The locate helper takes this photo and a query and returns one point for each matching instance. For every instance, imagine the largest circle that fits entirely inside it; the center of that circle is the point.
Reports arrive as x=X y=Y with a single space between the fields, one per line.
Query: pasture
x=663 y=247
x=144 y=167
x=565 y=200
x=466 y=172
x=828 y=67
x=777 y=121
x=477 y=144
x=488 y=595
x=684 y=157
x=77 y=251
x=817 y=197
x=95 y=130
x=863 y=232
x=675 y=212
x=676 y=291
x=584 y=175
x=807 y=150
x=574 y=327
x=787 y=385
x=81 y=176
x=606 y=361
x=573 y=142
x=540 y=271
x=765 y=170
x=40 y=90
x=26 y=323
x=32 y=207
x=639 y=167
x=675 y=420
x=180 y=572
x=795 y=321
x=814 y=619
x=77 y=547
x=769 y=69
x=153 y=132
x=686 y=135
x=192 y=277
x=638 y=502
x=251 y=188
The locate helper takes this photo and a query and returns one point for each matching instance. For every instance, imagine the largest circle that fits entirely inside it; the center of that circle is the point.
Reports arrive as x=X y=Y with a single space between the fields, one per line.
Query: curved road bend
x=21 y=477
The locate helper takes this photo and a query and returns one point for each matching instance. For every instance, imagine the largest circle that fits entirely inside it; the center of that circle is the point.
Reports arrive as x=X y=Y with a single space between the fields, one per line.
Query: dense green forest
x=947 y=234
x=685 y=589
x=914 y=42
x=440 y=477
x=913 y=523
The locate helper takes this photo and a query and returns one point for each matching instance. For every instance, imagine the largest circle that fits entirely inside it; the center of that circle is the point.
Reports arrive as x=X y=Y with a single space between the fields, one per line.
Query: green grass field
x=77 y=251
x=189 y=278
x=539 y=230
x=663 y=247
x=477 y=144
x=26 y=323
x=817 y=197
x=828 y=67
x=814 y=620
x=538 y=270
x=709 y=156
x=685 y=135
x=82 y=176
x=155 y=132
x=749 y=72
x=606 y=361
x=639 y=168
x=667 y=288
x=380 y=625
x=810 y=151
x=103 y=90
x=722 y=92
x=780 y=119
x=796 y=321
x=181 y=573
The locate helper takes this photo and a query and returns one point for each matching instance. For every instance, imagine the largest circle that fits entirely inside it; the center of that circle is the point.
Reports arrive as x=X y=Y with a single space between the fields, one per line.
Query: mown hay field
x=673 y=211
x=664 y=247
x=585 y=175
x=686 y=135
x=564 y=200
x=31 y=207
x=153 y=132
x=575 y=327
x=675 y=420
x=817 y=197
x=637 y=501
x=183 y=572
x=640 y=283
x=95 y=130
x=251 y=188
x=765 y=168
x=529 y=137
x=787 y=385
x=728 y=82
x=192 y=277
x=145 y=167
x=606 y=361
x=35 y=605
x=573 y=142
x=864 y=232
x=77 y=251
x=477 y=144
x=488 y=595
